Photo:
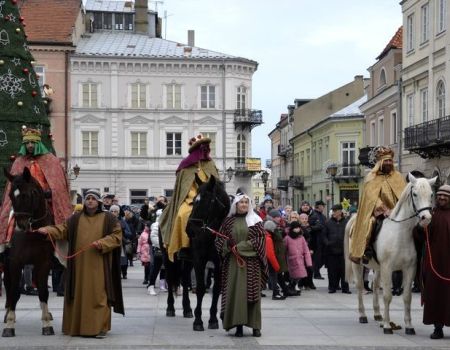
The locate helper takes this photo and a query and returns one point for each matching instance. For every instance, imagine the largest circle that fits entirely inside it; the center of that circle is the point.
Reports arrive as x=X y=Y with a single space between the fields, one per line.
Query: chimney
x=141 y=19
x=191 y=38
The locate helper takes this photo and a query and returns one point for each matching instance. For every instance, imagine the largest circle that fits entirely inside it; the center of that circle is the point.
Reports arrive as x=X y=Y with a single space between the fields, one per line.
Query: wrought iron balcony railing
x=247 y=118
x=297 y=182
x=282 y=184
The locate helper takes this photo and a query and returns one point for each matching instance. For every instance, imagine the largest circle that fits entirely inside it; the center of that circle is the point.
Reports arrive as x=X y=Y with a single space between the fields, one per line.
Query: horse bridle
x=205 y=222
x=32 y=220
x=416 y=211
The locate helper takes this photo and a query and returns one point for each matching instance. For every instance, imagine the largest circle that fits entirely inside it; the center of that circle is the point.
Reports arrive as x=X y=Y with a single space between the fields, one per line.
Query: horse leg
x=213 y=321
x=185 y=279
x=199 y=267
x=13 y=273
x=376 y=296
x=386 y=279
x=41 y=275
x=170 y=277
x=408 y=275
x=358 y=273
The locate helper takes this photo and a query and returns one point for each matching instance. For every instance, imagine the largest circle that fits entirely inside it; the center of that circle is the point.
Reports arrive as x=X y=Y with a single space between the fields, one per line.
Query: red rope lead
x=431 y=260
x=68 y=257
x=239 y=259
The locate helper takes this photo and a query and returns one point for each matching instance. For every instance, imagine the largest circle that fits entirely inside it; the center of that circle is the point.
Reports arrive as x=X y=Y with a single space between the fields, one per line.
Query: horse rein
x=416 y=211
x=446 y=279
x=239 y=259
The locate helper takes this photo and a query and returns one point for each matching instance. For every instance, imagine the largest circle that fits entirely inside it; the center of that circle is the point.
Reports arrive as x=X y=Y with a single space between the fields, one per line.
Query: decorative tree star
x=12 y=18
x=16 y=61
x=11 y=84
x=36 y=109
x=25 y=47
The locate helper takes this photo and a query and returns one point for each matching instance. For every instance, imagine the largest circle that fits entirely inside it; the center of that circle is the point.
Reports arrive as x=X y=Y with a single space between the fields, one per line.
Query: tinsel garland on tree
x=21 y=101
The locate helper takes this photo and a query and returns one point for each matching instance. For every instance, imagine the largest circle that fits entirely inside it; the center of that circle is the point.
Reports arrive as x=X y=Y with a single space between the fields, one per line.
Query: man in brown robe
x=93 y=277
x=436 y=267
x=383 y=187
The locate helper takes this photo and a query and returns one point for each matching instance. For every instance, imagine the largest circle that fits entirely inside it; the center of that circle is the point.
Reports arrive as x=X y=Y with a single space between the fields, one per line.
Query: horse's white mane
x=406 y=194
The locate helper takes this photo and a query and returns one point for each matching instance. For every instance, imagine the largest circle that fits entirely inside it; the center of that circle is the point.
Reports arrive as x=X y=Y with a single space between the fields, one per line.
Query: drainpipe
x=400 y=124
x=224 y=123
x=66 y=109
x=310 y=167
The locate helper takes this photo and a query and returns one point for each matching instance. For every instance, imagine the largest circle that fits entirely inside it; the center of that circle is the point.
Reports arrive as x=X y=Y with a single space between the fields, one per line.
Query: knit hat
x=94 y=193
x=267 y=198
x=319 y=202
x=294 y=224
x=270 y=226
x=114 y=208
x=275 y=213
x=337 y=207
x=444 y=190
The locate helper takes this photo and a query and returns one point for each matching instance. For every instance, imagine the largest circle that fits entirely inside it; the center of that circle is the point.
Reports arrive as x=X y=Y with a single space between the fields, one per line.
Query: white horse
x=395 y=251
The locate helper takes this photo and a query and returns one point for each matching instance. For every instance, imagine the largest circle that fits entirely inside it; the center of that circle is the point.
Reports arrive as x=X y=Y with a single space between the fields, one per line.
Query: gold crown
x=384 y=152
x=29 y=134
x=196 y=141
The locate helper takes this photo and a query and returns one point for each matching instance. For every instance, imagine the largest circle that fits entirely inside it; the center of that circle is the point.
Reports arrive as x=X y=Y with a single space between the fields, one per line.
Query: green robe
x=237 y=310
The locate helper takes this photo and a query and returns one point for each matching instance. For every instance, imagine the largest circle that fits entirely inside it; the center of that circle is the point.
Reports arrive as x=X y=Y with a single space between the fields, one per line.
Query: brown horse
x=31 y=212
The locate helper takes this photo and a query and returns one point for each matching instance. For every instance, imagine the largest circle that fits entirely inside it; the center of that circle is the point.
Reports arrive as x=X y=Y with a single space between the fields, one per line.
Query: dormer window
x=110 y=21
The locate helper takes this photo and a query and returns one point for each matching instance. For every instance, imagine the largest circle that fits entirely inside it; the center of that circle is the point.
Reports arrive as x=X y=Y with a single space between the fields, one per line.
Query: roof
x=109 y=6
x=122 y=44
x=351 y=110
x=56 y=30
x=395 y=43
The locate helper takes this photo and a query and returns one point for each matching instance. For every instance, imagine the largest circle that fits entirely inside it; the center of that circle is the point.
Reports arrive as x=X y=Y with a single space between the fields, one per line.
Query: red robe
x=436 y=292
x=56 y=180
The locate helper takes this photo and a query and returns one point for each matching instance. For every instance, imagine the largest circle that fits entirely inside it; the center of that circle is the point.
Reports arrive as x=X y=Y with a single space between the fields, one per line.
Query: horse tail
x=348 y=263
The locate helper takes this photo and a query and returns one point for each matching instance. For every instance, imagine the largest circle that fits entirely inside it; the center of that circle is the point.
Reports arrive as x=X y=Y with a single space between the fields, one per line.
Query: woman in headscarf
x=244 y=269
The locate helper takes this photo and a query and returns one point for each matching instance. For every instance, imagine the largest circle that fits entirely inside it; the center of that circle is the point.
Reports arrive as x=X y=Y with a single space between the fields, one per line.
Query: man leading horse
x=382 y=189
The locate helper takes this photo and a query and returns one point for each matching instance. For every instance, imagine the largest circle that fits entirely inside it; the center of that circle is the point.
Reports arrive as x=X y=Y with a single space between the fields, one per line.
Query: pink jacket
x=143 y=248
x=298 y=256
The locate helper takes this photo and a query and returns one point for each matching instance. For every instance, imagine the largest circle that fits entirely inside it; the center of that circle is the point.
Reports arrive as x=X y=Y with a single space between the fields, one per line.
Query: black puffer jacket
x=333 y=236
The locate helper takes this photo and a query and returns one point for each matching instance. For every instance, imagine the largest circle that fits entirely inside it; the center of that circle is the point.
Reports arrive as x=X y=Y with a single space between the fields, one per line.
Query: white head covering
x=251 y=218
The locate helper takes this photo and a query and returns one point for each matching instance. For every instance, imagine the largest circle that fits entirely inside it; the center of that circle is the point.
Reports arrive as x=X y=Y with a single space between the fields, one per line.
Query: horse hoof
x=170 y=313
x=188 y=314
x=388 y=331
x=363 y=319
x=198 y=327
x=378 y=318
x=9 y=332
x=50 y=316
x=410 y=331
x=48 y=331
x=213 y=325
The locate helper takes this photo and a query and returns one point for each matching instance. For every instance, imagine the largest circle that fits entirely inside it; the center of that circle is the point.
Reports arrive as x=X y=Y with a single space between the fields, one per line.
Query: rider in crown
x=382 y=189
x=47 y=170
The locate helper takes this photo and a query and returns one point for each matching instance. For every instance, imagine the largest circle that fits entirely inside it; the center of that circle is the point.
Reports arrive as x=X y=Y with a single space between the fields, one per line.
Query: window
x=348 y=158
x=90 y=143
x=382 y=77
x=381 y=131
x=208 y=96
x=212 y=145
x=173 y=143
x=40 y=71
x=424 y=104
x=138 y=196
x=118 y=21
x=442 y=12
x=138 y=95
x=302 y=163
x=89 y=91
x=394 y=127
x=410 y=109
x=174 y=96
x=107 y=20
x=241 y=148
x=424 y=28
x=98 y=23
x=410 y=33
x=168 y=193
x=241 y=98
x=440 y=96
x=138 y=143
x=373 y=133
x=128 y=21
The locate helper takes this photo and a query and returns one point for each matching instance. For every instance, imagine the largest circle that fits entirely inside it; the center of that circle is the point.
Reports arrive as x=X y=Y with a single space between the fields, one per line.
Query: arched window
x=440 y=99
x=241 y=148
x=382 y=77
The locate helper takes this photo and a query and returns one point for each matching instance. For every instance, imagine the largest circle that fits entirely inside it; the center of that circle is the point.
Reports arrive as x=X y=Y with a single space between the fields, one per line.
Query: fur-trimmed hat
x=29 y=134
x=94 y=193
x=197 y=141
x=444 y=190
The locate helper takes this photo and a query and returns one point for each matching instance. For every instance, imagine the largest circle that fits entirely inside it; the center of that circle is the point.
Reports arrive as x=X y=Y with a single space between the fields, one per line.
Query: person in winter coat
x=126 y=240
x=272 y=262
x=157 y=263
x=143 y=250
x=333 y=240
x=307 y=282
x=297 y=254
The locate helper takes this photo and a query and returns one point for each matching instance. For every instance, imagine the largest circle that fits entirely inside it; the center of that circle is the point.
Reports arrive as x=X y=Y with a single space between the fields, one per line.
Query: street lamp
x=229 y=174
x=265 y=178
x=73 y=173
x=332 y=171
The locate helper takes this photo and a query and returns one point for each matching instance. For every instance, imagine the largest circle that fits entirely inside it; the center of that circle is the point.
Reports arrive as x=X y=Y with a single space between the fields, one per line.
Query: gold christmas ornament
x=2 y=62
x=18 y=30
x=20 y=103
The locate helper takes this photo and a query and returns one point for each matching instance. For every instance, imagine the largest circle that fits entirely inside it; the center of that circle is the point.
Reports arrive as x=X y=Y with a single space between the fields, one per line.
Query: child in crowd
x=307 y=282
x=144 y=252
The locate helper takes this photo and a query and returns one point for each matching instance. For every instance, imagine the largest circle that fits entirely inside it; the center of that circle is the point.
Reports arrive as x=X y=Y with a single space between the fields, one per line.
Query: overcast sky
x=304 y=48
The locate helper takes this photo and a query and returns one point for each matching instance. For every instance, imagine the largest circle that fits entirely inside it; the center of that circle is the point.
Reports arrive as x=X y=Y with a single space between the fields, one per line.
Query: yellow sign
x=253 y=164
x=352 y=186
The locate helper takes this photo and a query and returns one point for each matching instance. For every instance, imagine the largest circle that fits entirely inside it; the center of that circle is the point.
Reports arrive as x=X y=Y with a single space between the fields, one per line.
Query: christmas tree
x=21 y=101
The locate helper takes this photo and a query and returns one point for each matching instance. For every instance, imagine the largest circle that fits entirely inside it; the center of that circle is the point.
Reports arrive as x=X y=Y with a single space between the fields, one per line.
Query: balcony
x=282 y=184
x=284 y=150
x=247 y=118
x=430 y=139
x=297 y=182
x=348 y=173
x=247 y=167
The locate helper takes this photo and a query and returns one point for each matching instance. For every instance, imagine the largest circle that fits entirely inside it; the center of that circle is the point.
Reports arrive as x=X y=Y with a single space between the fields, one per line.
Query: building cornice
x=380 y=98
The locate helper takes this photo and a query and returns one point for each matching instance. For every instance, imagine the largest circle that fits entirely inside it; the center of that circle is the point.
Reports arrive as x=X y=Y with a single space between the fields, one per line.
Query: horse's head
x=27 y=198
x=422 y=197
x=210 y=206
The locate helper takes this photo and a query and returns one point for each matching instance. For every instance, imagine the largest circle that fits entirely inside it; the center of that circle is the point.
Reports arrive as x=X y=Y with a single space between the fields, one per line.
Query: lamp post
x=229 y=174
x=332 y=171
x=73 y=173
x=265 y=178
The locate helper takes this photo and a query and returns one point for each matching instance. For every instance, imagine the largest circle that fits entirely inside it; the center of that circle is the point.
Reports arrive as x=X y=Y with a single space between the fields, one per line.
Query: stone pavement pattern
x=315 y=320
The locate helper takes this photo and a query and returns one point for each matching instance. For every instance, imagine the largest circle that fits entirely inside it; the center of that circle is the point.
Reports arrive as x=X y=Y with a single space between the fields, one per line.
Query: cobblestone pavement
x=315 y=320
